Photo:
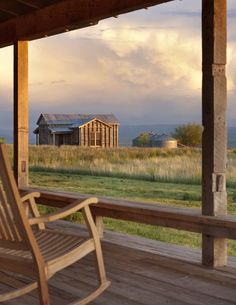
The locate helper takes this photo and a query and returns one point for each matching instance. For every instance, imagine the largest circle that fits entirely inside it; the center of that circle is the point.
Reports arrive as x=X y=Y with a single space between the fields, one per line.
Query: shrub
x=143 y=140
x=189 y=134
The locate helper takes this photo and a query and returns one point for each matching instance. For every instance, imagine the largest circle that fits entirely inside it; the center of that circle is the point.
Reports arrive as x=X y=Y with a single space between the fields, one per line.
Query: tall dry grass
x=154 y=164
x=180 y=165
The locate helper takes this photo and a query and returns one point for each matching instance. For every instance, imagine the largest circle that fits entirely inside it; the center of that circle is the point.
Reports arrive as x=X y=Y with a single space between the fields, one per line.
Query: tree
x=2 y=140
x=143 y=140
x=189 y=134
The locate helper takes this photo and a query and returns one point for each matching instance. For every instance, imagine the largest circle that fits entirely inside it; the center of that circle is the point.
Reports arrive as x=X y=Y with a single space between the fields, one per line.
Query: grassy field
x=180 y=195
x=150 y=164
x=169 y=177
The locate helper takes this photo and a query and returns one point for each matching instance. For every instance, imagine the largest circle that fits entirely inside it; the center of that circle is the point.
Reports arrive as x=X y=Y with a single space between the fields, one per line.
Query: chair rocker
x=28 y=248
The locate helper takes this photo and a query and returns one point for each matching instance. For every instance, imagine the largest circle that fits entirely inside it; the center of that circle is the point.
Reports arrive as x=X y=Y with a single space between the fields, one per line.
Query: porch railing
x=187 y=219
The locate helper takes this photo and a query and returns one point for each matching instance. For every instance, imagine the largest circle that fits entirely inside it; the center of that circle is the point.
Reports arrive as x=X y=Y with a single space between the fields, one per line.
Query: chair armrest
x=68 y=210
x=30 y=196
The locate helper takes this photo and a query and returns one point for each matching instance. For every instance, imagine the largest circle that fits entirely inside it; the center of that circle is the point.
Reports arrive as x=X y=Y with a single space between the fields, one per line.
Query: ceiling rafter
x=4 y=16
x=32 y=3
x=13 y=8
x=37 y=3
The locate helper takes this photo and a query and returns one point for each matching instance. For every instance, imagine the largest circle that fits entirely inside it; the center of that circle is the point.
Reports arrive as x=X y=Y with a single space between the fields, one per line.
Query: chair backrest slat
x=15 y=230
x=7 y=219
x=4 y=231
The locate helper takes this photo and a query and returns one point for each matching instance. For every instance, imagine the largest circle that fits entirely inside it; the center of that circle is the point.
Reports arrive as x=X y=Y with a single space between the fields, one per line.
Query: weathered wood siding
x=45 y=137
x=95 y=133
x=62 y=139
x=75 y=137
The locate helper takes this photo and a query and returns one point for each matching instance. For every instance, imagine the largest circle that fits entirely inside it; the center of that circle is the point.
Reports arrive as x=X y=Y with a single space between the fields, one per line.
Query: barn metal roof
x=65 y=123
x=60 y=130
x=33 y=19
x=157 y=137
x=76 y=119
x=80 y=123
x=163 y=137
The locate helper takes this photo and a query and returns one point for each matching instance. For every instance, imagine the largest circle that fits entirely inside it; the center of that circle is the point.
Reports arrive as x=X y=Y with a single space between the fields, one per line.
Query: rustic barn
x=99 y=130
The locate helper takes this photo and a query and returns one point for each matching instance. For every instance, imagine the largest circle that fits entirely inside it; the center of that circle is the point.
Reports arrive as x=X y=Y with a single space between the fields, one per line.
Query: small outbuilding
x=163 y=140
x=150 y=139
x=87 y=130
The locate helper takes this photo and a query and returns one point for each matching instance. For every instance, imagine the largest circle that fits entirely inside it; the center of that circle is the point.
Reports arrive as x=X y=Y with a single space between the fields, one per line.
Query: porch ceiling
x=33 y=19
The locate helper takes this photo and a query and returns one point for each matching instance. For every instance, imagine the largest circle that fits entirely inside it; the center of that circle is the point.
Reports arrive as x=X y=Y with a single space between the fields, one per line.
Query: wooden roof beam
x=37 y=3
x=32 y=3
x=12 y=8
x=66 y=15
x=4 y=16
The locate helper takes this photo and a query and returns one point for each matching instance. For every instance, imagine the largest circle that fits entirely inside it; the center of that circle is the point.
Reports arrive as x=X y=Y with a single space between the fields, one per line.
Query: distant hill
x=129 y=132
x=8 y=135
x=232 y=137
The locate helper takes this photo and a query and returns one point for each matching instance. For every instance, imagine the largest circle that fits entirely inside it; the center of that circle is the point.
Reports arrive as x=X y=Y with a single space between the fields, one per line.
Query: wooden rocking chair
x=39 y=253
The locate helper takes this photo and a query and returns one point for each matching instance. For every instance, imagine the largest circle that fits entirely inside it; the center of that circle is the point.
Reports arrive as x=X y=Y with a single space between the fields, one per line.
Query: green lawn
x=181 y=195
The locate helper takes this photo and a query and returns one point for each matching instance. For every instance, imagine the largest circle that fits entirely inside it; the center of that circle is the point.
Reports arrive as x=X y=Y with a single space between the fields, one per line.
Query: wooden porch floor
x=142 y=272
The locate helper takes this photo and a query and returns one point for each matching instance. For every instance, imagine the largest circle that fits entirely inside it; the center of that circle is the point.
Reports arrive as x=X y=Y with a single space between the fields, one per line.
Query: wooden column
x=86 y=135
x=79 y=137
x=108 y=137
x=21 y=112
x=111 y=137
x=117 y=136
x=82 y=136
x=103 y=135
x=214 y=34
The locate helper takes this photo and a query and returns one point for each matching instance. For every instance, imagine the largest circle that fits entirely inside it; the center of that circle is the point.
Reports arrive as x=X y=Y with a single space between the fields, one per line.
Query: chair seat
x=53 y=245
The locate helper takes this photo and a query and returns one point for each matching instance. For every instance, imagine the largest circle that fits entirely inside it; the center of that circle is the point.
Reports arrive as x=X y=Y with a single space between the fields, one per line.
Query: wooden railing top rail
x=188 y=219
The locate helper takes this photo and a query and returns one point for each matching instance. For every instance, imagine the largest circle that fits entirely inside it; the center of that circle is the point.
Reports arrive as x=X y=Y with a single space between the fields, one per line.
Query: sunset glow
x=149 y=61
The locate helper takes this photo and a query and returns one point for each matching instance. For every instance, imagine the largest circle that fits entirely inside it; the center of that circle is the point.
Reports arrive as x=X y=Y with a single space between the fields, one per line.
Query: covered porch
x=141 y=271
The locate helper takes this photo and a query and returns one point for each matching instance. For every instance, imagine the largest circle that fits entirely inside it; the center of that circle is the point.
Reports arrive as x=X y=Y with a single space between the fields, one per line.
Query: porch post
x=21 y=112
x=214 y=149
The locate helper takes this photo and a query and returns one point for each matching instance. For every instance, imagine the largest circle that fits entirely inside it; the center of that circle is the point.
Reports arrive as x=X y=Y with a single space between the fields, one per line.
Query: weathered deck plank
x=142 y=272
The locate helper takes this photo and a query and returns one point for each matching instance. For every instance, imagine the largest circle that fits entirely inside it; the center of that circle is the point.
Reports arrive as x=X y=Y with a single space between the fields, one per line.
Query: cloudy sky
x=145 y=67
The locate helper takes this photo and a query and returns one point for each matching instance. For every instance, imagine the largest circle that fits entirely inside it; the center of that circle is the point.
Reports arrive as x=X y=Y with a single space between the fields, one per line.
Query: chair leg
x=98 y=250
x=100 y=262
x=43 y=290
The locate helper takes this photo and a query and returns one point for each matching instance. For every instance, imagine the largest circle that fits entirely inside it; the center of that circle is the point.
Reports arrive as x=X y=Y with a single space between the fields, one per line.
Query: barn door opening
x=60 y=139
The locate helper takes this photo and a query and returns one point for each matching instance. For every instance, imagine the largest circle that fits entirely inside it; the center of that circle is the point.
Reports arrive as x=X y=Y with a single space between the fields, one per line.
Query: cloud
x=145 y=67
x=6 y=67
x=167 y=58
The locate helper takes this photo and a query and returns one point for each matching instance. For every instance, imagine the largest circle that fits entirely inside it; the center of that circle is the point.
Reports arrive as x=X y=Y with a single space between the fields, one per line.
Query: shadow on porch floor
x=143 y=272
